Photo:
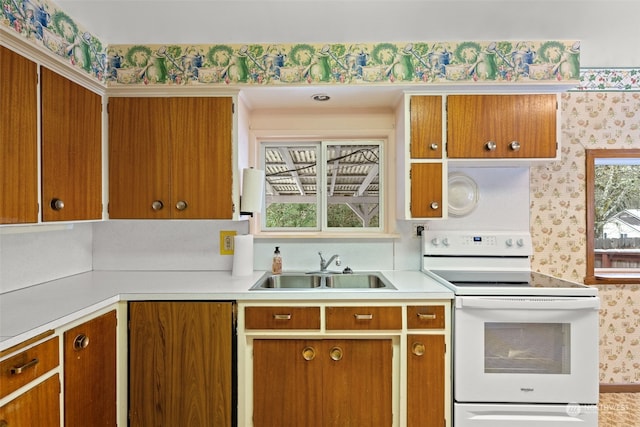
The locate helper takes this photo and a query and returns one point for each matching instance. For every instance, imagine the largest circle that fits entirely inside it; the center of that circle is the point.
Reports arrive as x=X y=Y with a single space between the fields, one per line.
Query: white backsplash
x=35 y=254
x=162 y=245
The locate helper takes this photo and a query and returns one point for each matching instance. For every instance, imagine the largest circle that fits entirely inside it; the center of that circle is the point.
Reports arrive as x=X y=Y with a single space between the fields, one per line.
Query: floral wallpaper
x=558 y=220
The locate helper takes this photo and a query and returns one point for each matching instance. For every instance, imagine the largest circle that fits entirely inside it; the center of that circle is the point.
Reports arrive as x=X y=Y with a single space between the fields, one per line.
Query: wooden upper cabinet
x=139 y=162
x=502 y=126
x=18 y=139
x=426 y=190
x=71 y=150
x=170 y=158
x=426 y=127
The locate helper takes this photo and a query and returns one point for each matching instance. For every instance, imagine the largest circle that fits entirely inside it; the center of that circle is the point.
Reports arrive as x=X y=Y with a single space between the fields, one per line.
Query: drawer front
x=282 y=318
x=425 y=317
x=364 y=318
x=28 y=365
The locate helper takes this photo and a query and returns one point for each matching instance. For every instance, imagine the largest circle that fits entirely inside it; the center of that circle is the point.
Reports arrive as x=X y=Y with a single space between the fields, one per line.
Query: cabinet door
x=330 y=383
x=287 y=382
x=40 y=406
x=426 y=190
x=201 y=167
x=71 y=150
x=357 y=383
x=180 y=364
x=426 y=127
x=90 y=373
x=520 y=126
x=425 y=380
x=139 y=158
x=18 y=139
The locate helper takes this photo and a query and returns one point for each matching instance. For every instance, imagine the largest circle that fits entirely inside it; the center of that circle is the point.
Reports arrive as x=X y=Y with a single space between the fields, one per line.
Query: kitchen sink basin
x=300 y=281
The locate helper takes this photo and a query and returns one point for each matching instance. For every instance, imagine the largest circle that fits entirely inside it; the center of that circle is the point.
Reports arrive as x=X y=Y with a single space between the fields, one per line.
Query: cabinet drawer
x=28 y=365
x=425 y=317
x=282 y=317
x=363 y=318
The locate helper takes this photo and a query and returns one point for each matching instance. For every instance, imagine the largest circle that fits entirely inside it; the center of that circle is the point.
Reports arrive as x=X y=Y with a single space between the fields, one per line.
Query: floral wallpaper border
x=42 y=23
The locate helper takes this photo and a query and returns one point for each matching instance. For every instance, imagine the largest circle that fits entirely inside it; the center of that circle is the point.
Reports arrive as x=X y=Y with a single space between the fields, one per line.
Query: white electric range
x=525 y=343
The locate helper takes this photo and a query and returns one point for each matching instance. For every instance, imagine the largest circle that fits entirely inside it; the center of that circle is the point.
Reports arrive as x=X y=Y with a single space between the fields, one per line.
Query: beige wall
x=558 y=221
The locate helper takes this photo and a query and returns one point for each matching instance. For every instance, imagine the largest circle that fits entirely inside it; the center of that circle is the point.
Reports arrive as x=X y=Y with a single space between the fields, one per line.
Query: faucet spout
x=324 y=264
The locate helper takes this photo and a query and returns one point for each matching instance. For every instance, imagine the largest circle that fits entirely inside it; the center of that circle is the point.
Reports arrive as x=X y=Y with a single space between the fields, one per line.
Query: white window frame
x=322 y=145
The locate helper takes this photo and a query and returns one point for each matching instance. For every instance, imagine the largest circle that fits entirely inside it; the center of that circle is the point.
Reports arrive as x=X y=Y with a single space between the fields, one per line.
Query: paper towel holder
x=252 y=191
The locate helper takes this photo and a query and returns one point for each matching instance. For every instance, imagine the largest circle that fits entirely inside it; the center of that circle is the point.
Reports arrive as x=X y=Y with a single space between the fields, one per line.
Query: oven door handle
x=534 y=303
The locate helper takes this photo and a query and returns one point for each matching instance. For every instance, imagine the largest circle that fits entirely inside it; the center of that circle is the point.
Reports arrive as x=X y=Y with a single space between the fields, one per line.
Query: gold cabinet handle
x=181 y=205
x=363 y=316
x=336 y=353
x=282 y=316
x=308 y=353
x=418 y=349
x=17 y=370
x=81 y=342
x=157 y=205
x=426 y=316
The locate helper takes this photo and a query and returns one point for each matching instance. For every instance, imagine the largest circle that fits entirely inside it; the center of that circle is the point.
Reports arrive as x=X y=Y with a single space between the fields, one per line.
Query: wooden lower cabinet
x=38 y=407
x=90 y=373
x=323 y=382
x=180 y=364
x=425 y=380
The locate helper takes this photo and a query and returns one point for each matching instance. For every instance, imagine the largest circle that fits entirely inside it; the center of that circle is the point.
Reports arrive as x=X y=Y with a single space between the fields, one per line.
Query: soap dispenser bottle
x=276 y=265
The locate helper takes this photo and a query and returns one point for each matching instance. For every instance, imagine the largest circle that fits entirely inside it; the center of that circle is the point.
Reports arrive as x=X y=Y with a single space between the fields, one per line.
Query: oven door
x=526 y=349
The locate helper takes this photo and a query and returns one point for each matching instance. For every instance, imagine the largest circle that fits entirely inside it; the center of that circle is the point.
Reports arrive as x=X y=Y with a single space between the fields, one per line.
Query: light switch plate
x=226 y=242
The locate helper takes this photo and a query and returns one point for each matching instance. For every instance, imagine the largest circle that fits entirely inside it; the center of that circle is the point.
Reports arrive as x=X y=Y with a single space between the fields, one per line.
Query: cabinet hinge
x=233 y=108
x=234 y=316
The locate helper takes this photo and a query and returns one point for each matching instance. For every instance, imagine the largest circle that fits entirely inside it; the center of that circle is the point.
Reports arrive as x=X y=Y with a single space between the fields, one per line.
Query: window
x=613 y=216
x=323 y=185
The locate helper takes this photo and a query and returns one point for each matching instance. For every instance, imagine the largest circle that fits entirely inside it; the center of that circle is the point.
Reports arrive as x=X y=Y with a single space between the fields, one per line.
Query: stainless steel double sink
x=368 y=280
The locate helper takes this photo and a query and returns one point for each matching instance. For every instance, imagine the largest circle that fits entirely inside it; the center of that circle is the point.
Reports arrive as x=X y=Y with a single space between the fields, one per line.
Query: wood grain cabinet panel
x=426 y=127
x=520 y=126
x=28 y=365
x=282 y=317
x=322 y=383
x=90 y=373
x=71 y=150
x=425 y=380
x=426 y=190
x=367 y=318
x=180 y=364
x=18 y=139
x=37 y=407
x=170 y=158
x=425 y=317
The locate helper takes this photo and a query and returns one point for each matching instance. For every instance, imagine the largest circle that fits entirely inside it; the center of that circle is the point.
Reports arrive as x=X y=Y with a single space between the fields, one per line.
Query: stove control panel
x=483 y=243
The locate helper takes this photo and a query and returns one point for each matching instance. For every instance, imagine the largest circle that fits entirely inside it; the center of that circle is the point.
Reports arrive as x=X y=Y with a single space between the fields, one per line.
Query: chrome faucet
x=325 y=264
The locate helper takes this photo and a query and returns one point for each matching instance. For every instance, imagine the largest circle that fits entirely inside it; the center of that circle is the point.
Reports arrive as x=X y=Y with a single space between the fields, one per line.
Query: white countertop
x=28 y=312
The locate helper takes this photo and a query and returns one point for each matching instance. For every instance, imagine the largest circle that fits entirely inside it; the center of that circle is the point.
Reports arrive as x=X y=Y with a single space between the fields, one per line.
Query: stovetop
x=510 y=283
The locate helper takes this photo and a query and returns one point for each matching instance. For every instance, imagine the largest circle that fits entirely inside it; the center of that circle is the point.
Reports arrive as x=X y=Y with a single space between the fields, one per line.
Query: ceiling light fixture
x=320 y=97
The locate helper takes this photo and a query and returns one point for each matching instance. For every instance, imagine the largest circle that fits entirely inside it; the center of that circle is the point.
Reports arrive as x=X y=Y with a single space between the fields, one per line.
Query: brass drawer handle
x=335 y=353
x=81 y=342
x=426 y=316
x=363 y=316
x=308 y=353
x=17 y=370
x=282 y=316
x=418 y=348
